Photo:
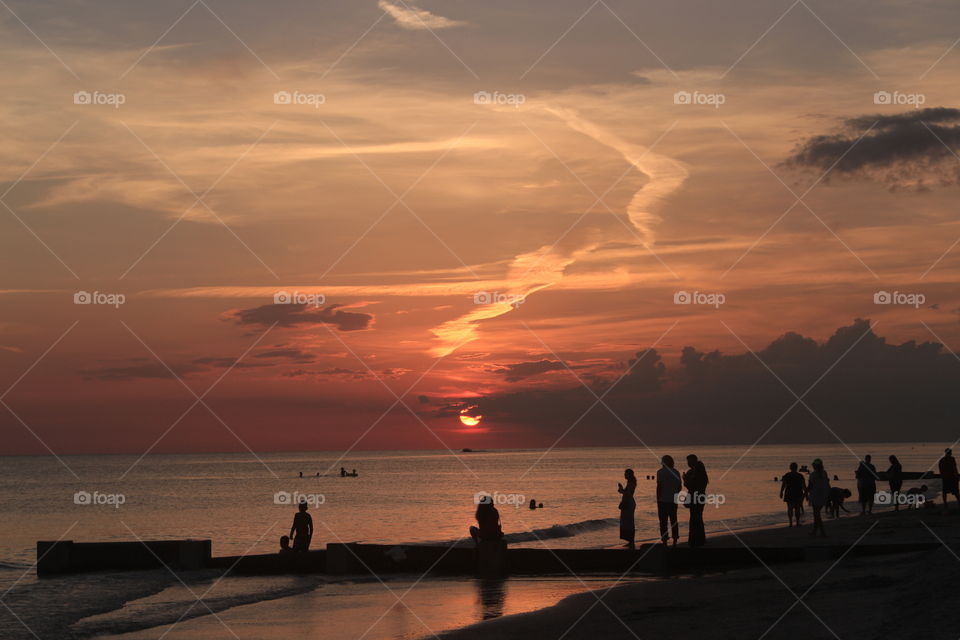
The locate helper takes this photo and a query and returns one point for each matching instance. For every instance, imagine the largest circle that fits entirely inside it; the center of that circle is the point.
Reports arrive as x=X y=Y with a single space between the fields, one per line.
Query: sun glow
x=470 y=421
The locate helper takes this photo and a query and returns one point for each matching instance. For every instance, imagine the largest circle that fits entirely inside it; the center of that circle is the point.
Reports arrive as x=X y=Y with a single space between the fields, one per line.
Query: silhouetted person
x=895 y=479
x=285 y=545
x=793 y=489
x=818 y=493
x=628 y=507
x=696 y=480
x=533 y=504
x=301 y=474
x=913 y=500
x=343 y=472
x=835 y=501
x=354 y=473
x=866 y=485
x=668 y=486
x=948 y=476
x=540 y=506
x=488 y=522
x=302 y=529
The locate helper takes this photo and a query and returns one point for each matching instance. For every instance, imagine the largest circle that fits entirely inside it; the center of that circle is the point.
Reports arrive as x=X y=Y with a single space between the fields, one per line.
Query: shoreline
x=897 y=595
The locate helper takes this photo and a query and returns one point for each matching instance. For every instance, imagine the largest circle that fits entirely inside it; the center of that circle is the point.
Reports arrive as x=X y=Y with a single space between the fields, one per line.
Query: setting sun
x=470 y=421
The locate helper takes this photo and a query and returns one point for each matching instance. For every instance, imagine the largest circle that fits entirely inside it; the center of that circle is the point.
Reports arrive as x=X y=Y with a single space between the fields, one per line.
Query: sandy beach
x=907 y=595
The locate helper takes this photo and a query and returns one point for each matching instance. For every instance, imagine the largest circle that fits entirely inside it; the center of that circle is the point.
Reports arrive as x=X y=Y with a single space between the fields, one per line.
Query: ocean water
x=244 y=505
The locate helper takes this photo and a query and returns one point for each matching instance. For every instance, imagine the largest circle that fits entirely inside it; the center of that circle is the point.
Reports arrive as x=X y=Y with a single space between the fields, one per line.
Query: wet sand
x=911 y=595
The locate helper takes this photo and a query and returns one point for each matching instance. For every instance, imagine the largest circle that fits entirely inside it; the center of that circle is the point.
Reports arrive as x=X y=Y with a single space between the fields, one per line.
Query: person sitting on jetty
x=668 y=486
x=302 y=529
x=895 y=478
x=628 y=506
x=835 y=501
x=488 y=522
x=793 y=489
x=866 y=485
x=948 y=476
x=285 y=545
x=818 y=493
x=696 y=480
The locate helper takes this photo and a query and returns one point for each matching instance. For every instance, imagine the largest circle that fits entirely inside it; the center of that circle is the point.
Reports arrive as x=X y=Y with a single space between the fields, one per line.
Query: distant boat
x=466 y=450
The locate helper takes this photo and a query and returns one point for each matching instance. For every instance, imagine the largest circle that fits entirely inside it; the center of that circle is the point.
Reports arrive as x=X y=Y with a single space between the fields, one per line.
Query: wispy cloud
x=408 y=16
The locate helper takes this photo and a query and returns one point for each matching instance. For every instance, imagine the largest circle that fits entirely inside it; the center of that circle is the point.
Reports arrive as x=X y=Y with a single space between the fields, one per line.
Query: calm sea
x=244 y=504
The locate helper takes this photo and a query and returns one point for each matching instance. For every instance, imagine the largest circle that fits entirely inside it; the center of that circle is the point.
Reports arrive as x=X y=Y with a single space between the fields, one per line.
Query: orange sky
x=579 y=203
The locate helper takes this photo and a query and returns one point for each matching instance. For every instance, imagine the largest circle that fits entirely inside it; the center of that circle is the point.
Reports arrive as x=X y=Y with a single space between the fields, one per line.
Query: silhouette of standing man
x=302 y=529
x=948 y=476
x=695 y=480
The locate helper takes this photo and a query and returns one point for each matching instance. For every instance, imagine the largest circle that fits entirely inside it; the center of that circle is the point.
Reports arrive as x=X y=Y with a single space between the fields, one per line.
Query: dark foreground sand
x=911 y=595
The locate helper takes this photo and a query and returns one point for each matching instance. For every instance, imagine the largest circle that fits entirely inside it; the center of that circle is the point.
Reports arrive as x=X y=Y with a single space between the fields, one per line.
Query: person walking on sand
x=818 y=493
x=793 y=489
x=668 y=486
x=866 y=485
x=895 y=478
x=696 y=480
x=627 y=508
x=302 y=529
x=948 y=476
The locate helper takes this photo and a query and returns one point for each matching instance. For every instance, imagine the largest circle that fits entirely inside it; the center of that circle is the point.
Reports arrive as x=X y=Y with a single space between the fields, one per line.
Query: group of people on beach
x=817 y=491
x=670 y=482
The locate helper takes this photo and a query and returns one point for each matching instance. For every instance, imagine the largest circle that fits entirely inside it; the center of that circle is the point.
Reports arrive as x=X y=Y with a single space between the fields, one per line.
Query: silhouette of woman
x=627 y=508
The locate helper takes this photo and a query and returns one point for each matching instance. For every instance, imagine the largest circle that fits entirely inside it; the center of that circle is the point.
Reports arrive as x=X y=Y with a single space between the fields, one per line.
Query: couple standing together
x=669 y=484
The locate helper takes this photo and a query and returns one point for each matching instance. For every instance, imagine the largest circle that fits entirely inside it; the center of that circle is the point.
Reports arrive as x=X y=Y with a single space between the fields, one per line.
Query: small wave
x=19 y=566
x=562 y=530
x=176 y=604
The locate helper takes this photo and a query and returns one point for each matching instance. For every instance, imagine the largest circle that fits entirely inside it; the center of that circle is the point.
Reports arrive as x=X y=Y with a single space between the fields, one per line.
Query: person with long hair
x=818 y=493
x=695 y=480
x=628 y=506
x=488 y=521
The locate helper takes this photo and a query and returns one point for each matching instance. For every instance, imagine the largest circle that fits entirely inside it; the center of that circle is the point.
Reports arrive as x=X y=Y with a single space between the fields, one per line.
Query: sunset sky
x=397 y=205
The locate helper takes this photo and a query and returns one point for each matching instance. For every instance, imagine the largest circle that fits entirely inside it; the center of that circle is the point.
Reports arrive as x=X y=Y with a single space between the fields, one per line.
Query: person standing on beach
x=793 y=488
x=948 y=476
x=818 y=492
x=668 y=486
x=895 y=478
x=627 y=508
x=866 y=485
x=696 y=480
x=302 y=529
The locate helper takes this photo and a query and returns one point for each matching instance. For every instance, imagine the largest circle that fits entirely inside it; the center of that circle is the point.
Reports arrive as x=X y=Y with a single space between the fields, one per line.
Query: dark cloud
x=900 y=150
x=141 y=371
x=287 y=353
x=521 y=370
x=228 y=363
x=863 y=388
x=294 y=315
x=134 y=370
x=332 y=371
